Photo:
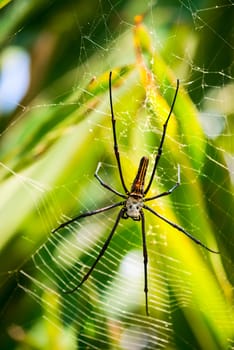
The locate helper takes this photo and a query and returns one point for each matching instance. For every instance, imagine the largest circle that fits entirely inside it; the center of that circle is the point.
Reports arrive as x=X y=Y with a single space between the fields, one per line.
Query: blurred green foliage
x=51 y=143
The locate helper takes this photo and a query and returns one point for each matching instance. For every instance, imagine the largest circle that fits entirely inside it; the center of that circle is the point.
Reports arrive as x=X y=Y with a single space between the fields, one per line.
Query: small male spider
x=134 y=200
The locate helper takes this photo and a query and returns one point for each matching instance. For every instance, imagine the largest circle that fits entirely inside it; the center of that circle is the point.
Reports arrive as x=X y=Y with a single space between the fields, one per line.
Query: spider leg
x=145 y=256
x=84 y=215
x=116 y=149
x=166 y=193
x=104 y=184
x=102 y=251
x=162 y=140
x=179 y=228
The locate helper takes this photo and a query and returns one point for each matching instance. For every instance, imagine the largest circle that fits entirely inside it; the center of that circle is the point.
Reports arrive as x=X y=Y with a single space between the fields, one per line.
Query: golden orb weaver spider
x=134 y=200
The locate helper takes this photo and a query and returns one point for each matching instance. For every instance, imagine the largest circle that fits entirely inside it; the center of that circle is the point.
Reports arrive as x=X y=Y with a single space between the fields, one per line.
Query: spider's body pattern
x=133 y=204
x=135 y=200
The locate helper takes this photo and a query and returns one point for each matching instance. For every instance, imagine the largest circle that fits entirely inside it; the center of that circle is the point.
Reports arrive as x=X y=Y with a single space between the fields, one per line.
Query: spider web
x=51 y=142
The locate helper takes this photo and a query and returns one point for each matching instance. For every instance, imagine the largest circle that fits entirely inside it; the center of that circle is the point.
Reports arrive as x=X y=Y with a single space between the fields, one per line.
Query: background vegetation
x=54 y=137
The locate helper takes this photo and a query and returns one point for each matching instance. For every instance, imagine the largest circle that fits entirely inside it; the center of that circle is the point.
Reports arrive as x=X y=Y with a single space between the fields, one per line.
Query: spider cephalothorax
x=133 y=207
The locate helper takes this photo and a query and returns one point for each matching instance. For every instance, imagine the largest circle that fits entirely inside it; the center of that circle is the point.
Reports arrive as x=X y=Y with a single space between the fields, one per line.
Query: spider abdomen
x=139 y=181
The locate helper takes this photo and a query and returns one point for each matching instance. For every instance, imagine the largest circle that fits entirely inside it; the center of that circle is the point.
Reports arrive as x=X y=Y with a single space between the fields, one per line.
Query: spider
x=133 y=201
